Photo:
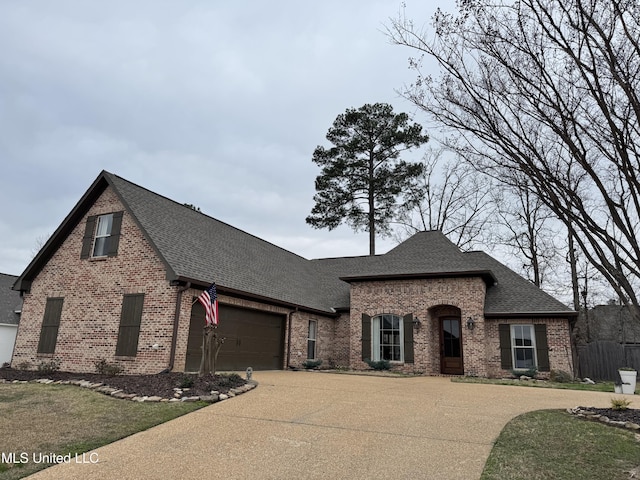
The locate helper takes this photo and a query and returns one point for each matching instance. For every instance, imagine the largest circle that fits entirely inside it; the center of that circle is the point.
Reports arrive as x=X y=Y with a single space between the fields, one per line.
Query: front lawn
x=62 y=419
x=551 y=444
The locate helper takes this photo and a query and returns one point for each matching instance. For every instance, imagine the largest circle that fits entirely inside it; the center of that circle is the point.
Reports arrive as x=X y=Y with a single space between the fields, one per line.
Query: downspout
x=289 y=319
x=176 y=321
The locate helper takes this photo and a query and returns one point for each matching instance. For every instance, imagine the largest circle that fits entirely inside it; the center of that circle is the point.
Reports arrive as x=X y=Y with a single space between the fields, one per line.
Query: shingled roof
x=200 y=249
x=10 y=301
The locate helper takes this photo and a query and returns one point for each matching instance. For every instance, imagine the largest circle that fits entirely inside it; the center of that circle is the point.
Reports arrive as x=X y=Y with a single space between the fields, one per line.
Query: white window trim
x=98 y=236
x=314 y=339
x=532 y=347
x=375 y=338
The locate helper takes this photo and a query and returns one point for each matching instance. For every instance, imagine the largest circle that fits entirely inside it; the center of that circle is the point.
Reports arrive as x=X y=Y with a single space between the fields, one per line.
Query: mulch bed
x=161 y=384
x=627 y=415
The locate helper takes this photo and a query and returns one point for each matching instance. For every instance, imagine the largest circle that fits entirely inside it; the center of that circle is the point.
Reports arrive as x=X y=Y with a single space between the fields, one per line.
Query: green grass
x=598 y=387
x=551 y=444
x=37 y=418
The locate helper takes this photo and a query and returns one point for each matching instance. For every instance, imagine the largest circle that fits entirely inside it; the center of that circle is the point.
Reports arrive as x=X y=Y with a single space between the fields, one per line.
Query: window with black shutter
x=130 y=325
x=50 y=325
x=102 y=235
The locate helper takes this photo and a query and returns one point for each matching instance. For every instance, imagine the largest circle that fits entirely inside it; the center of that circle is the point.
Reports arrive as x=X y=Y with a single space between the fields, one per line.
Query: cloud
x=215 y=104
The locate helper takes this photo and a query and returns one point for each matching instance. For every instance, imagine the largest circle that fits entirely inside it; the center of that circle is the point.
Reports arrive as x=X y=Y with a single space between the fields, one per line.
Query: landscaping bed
x=158 y=385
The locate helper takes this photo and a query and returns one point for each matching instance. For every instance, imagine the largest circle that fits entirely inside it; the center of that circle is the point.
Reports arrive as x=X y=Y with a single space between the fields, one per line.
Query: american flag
x=209 y=299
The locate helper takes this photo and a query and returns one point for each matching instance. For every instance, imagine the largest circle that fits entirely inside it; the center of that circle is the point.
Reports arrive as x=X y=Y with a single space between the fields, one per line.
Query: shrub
x=379 y=365
x=312 y=364
x=110 y=369
x=560 y=376
x=620 y=403
x=531 y=372
x=49 y=367
x=186 y=381
x=24 y=365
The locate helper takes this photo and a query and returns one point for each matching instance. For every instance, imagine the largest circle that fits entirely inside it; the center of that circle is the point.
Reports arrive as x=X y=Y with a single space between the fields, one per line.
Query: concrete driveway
x=300 y=425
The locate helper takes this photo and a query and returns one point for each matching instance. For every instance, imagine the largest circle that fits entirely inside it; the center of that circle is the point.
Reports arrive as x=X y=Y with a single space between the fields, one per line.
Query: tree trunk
x=372 y=208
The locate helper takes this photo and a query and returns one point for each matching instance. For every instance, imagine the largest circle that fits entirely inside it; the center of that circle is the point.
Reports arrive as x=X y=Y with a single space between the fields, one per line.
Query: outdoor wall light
x=470 y=323
x=416 y=322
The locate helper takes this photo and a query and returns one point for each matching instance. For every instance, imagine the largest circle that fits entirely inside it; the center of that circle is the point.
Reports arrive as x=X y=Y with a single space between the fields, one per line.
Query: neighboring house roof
x=201 y=249
x=10 y=301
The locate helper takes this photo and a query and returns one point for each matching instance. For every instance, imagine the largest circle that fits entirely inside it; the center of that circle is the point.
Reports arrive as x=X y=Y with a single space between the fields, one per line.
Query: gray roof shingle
x=10 y=300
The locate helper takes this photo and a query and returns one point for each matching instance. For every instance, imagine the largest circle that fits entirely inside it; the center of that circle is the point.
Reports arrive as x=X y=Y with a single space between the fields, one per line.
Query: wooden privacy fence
x=601 y=360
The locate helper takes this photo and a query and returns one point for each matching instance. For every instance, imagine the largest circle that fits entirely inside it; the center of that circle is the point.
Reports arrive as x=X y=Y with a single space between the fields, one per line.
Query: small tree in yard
x=211 y=345
x=362 y=175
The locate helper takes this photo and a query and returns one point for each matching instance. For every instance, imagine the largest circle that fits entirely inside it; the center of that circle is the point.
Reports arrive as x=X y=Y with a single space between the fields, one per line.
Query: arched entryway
x=447 y=320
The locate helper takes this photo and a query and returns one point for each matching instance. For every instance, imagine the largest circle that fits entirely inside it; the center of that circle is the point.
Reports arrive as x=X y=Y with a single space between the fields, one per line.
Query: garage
x=253 y=338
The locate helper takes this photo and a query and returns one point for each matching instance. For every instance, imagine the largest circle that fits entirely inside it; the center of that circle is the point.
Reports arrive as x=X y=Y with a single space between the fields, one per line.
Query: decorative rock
x=190 y=399
x=209 y=398
x=604 y=419
x=153 y=399
x=632 y=426
x=173 y=400
x=588 y=381
x=222 y=396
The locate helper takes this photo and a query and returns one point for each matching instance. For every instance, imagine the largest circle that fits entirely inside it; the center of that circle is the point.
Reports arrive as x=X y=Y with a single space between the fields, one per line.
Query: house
x=10 y=306
x=119 y=278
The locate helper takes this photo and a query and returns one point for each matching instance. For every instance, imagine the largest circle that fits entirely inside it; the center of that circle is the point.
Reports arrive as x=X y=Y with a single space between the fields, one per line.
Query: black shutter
x=542 y=347
x=504 y=330
x=366 y=337
x=407 y=320
x=50 y=325
x=87 y=240
x=114 y=238
x=129 y=330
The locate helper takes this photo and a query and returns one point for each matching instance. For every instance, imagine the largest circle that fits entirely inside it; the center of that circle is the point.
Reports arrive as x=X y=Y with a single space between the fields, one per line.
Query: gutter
x=176 y=319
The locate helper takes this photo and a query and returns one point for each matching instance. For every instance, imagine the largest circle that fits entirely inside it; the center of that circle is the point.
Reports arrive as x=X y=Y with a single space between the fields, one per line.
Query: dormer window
x=102 y=235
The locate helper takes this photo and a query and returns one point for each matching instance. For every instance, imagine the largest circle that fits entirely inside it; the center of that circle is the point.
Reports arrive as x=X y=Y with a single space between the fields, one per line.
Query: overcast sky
x=217 y=104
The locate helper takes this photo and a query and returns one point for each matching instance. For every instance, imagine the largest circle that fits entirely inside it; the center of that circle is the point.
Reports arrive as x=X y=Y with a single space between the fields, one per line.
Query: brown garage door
x=252 y=339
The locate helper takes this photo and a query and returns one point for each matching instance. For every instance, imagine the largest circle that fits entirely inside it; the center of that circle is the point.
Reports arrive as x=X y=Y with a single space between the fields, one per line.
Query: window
x=130 y=325
x=523 y=347
x=311 y=340
x=103 y=232
x=102 y=235
x=50 y=324
x=387 y=338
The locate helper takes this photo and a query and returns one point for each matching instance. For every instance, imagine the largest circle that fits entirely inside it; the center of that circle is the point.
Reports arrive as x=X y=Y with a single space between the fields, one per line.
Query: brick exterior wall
x=93 y=291
x=428 y=299
x=558 y=338
x=420 y=297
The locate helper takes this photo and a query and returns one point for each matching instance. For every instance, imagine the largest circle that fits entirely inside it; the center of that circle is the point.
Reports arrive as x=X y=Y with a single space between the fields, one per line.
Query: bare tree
x=525 y=225
x=450 y=197
x=548 y=90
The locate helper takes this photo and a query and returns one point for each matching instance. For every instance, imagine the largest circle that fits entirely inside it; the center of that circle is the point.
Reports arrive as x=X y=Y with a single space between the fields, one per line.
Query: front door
x=450 y=346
